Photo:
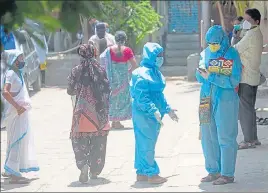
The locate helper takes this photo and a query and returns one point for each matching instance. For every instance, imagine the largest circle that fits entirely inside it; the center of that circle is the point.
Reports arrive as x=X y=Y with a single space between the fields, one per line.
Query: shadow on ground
x=6 y=186
x=90 y=183
x=143 y=185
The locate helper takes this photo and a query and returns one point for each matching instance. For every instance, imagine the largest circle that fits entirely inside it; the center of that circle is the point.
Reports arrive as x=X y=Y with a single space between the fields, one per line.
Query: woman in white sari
x=20 y=155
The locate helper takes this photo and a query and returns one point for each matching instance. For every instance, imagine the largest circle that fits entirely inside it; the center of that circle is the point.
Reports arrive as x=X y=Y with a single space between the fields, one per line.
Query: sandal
x=117 y=125
x=210 y=178
x=223 y=180
x=19 y=180
x=246 y=145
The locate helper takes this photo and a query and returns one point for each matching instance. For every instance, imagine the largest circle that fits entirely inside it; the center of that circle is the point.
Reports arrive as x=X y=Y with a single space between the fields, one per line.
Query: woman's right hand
x=20 y=110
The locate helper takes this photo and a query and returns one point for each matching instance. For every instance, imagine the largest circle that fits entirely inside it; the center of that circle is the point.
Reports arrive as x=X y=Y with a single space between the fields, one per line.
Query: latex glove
x=205 y=74
x=158 y=117
x=173 y=115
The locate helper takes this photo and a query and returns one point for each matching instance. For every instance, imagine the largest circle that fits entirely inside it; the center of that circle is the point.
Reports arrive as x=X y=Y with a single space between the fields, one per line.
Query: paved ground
x=178 y=151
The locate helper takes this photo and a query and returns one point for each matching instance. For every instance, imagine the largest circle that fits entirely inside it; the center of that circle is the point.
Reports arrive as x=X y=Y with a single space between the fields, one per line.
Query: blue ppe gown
x=146 y=88
x=219 y=136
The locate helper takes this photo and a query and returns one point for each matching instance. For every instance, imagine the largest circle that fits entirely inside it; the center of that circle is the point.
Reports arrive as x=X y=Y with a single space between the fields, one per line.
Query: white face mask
x=246 y=25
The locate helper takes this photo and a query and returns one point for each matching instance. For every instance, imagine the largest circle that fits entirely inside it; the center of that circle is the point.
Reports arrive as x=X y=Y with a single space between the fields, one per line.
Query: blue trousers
x=219 y=139
x=146 y=130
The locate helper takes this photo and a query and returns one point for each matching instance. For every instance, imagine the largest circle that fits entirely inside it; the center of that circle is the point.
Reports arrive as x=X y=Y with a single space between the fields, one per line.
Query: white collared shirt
x=250 y=49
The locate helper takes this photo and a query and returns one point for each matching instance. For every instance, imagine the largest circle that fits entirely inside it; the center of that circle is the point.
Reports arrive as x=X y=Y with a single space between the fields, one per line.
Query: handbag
x=205 y=110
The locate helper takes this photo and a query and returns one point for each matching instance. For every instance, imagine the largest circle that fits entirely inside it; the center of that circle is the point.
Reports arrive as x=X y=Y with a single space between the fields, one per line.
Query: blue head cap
x=150 y=53
x=216 y=34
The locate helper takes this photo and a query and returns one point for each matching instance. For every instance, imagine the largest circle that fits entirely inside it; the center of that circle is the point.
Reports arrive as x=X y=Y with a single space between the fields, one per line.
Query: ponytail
x=119 y=53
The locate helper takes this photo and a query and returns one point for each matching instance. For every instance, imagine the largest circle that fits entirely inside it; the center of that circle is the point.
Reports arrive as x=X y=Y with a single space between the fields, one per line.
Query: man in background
x=250 y=49
x=102 y=39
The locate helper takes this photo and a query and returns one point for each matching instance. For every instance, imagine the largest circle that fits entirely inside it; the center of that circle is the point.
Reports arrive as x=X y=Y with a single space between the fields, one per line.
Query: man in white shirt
x=102 y=39
x=250 y=50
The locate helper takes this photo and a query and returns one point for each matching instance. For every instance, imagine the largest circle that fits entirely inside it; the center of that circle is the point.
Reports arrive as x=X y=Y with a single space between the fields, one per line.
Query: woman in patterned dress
x=90 y=126
x=116 y=60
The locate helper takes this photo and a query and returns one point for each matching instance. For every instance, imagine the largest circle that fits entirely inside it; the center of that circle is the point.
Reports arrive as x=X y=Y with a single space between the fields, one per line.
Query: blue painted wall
x=183 y=17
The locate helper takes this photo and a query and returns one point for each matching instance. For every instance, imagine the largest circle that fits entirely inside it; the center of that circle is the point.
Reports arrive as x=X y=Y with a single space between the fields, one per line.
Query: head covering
x=91 y=87
x=86 y=51
x=216 y=34
x=150 y=53
x=120 y=37
x=100 y=30
x=12 y=56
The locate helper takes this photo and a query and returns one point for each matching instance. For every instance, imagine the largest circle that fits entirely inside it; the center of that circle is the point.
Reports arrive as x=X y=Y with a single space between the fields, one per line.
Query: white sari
x=20 y=155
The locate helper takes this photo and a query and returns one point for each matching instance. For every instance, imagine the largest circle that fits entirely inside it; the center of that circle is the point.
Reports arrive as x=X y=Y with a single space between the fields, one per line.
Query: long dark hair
x=120 y=39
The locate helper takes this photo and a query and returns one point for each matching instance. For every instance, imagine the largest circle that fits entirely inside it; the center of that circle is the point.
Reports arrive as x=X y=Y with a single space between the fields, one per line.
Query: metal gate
x=183 y=17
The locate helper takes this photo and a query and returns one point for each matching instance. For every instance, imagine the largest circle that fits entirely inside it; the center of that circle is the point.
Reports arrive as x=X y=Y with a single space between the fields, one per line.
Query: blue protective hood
x=150 y=53
x=12 y=56
x=216 y=34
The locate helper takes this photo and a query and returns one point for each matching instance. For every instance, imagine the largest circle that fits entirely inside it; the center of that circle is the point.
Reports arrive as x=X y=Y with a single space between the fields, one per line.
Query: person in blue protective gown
x=148 y=108
x=219 y=72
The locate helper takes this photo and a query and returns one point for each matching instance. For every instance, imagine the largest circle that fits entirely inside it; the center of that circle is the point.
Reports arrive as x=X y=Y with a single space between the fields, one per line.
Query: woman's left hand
x=20 y=110
x=205 y=74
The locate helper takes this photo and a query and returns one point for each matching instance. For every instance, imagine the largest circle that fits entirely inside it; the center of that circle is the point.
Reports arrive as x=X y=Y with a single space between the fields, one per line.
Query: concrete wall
x=59 y=67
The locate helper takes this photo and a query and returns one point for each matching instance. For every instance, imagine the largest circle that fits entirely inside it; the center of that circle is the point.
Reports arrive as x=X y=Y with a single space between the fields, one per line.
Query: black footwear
x=83 y=178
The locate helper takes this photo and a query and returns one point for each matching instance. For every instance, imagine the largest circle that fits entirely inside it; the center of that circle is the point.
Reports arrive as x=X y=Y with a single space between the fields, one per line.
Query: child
x=237 y=35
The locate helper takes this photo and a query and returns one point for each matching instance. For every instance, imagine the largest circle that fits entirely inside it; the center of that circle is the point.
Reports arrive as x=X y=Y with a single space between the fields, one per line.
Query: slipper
x=210 y=178
x=246 y=145
x=224 y=180
x=117 y=126
x=260 y=121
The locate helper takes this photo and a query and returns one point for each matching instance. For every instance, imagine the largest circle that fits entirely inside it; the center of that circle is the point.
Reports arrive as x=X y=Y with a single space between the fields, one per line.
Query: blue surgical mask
x=159 y=61
x=107 y=30
x=237 y=27
x=21 y=65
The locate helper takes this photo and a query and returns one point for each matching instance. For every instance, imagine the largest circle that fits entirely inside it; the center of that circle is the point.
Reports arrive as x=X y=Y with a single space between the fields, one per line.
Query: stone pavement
x=178 y=151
